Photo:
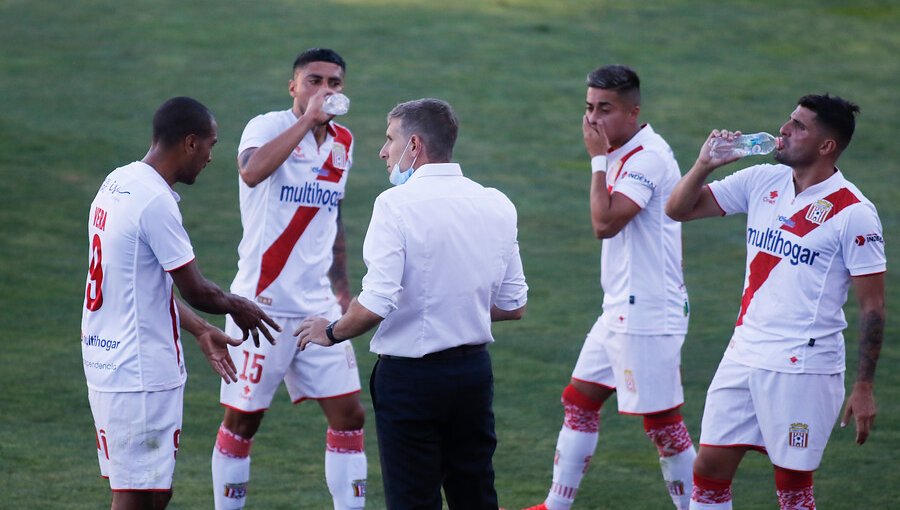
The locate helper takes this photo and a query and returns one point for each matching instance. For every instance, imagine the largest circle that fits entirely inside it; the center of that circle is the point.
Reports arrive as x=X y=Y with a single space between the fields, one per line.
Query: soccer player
x=131 y=347
x=634 y=348
x=293 y=167
x=810 y=235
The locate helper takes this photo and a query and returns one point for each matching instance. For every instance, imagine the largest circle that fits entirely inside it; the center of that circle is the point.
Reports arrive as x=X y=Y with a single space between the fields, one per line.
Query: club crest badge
x=818 y=212
x=359 y=488
x=798 y=435
x=629 y=381
x=339 y=156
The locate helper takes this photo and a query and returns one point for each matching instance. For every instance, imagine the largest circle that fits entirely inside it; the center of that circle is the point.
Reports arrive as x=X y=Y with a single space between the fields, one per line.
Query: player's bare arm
x=609 y=213
x=213 y=342
x=691 y=199
x=355 y=322
x=256 y=164
x=337 y=273
x=869 y=290
x=206 y=296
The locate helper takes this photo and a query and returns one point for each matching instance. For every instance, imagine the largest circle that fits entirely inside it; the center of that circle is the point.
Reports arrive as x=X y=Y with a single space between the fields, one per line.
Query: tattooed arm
x=338 y=271
x=869 y=291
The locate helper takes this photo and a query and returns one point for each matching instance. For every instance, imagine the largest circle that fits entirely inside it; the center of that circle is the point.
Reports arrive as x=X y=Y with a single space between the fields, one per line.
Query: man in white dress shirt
x=443 y=263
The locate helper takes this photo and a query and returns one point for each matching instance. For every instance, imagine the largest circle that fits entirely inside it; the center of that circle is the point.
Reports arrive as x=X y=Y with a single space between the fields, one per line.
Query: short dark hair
x=434 y=121
x=619 y=78
x=319 y=55
x=179 y=117
x=835 y=114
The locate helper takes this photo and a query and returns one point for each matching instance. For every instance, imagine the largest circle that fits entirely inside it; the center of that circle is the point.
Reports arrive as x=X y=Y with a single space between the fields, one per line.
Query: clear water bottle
x=336 y=104
x=744 y=145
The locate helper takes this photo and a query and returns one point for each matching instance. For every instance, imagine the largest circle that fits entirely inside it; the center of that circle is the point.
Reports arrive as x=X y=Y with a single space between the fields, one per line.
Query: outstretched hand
x=214 y=344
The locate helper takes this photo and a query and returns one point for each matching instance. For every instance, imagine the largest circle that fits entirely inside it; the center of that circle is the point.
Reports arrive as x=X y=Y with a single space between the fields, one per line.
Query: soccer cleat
x=537 y=507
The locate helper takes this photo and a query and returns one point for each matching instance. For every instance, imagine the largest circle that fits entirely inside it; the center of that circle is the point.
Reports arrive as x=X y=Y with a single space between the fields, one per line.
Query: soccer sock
x=345 y=468
x=574 y=447
x=710 y=494
x=676 y=455
x=794 y=489
x=230 y=469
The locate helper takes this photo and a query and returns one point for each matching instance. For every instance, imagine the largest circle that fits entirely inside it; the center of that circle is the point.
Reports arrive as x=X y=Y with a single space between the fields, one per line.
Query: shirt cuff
x=598 y=164
x=379 y=305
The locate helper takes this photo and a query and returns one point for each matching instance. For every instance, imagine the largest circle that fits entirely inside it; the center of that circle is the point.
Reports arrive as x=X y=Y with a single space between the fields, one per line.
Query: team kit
x=805 y=249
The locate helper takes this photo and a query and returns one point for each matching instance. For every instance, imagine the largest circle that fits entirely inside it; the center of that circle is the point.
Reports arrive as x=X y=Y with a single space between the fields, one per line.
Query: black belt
x=453 y=352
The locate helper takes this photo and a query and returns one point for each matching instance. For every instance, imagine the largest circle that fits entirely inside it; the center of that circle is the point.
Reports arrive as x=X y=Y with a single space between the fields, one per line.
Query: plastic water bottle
x=744 y=145
x=336 y=104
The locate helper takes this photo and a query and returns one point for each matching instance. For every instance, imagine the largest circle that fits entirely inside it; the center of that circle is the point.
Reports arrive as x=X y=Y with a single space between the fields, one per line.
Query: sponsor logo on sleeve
x=640 y=178
x=868 y=238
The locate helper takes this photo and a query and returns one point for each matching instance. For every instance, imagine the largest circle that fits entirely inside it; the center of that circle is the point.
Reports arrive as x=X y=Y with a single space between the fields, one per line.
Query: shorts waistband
x=453 y=352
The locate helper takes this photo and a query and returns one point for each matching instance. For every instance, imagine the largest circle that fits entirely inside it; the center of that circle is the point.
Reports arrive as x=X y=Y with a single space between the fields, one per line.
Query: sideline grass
x=80 y=83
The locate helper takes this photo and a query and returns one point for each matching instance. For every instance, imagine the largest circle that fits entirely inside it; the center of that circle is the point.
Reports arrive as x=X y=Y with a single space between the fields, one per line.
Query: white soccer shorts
x=137 y=437
x=645 y=370
x=791 y=416
x=314 y=373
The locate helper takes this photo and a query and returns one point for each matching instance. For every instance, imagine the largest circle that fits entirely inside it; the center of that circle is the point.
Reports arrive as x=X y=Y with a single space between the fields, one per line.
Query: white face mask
x=398 y=176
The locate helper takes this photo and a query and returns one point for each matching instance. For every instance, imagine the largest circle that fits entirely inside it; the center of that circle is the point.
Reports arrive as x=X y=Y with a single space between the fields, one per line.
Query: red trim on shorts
x=244 y=411
x=301 y=399
x=760 y=449
x=652 y=412
x=141 y=490
x=613 y=388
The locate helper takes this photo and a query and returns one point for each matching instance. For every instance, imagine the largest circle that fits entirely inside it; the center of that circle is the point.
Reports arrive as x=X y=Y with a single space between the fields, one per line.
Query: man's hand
x=595 y=140
x=312 y=330
x=214 y=344
x=252 y=320
x=314 y=107
x=706 y=157
x=862 y=405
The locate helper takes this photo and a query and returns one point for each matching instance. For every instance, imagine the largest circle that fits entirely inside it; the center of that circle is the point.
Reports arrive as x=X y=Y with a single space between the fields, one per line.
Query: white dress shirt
x=441 y=250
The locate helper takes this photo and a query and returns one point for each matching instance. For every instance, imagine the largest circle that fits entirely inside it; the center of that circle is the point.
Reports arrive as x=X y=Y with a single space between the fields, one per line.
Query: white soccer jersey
x=801 y=252
x=640 y=267
x=290 y=220
x=129 y=324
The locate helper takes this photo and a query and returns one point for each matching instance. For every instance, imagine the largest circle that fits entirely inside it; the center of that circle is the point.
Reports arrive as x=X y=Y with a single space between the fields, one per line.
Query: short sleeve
x=733 y=192
x=641 y=176
x=384 y=253
x=513 y=291
x=162 y=230
x=862 y=241
x=259 y=131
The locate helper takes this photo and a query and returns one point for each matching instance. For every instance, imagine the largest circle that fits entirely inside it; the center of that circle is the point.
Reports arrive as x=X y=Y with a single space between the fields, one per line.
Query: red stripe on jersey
x=760 y=268
x=274 y=259
x=839 y=200
x=625 y=158
x=761 y=265
x=174 y=315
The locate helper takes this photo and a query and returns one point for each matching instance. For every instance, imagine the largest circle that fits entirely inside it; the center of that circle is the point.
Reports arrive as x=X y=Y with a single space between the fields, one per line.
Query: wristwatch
x=329 y=332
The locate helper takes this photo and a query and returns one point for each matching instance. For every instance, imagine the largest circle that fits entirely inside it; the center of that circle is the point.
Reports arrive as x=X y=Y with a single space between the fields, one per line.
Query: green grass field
x=80 y=81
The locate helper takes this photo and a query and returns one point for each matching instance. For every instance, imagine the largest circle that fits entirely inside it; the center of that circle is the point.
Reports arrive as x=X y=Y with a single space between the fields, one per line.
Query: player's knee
x=243 y=424
x=352 y=418
x=572 y=396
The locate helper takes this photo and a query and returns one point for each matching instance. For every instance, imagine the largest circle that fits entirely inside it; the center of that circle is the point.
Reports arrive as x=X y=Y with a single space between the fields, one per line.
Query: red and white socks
x=345 y=468
x=574 y=447
x=230 y=469
x=710 y=494
x=794 y=489
x=676 y=456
